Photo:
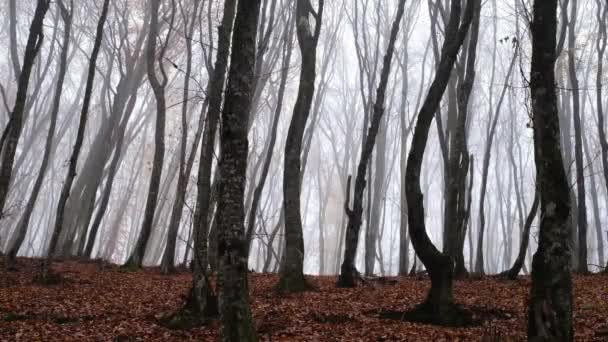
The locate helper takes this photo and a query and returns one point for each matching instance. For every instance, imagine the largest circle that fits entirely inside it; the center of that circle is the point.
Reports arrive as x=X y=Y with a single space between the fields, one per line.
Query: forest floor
x=112 y=305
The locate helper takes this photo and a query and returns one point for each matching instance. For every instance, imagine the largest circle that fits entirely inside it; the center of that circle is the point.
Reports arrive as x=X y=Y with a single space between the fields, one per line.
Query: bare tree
x=46 y=274
x=23 y=223
x=438 y=306
x=292 y=271
x=348 y=271
x=550 y=306
x=12 y=132
x=158 y=87
x=235 y=314
x=168 y=261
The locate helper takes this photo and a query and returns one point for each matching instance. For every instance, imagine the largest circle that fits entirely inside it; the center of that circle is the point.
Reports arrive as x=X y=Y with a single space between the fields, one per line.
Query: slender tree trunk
x=257 y=194
x=578 y=147
x=23 y=223
x=458 y=163
x=479 y=262
x=550 y=306
x=71 y=174
x=348 y=271
x=600 y=44
x=513 y=272
x=292 y=271
x=15 y=123
x=168 y=260
x=158 y=87
x=439 y=306
x=202 y=301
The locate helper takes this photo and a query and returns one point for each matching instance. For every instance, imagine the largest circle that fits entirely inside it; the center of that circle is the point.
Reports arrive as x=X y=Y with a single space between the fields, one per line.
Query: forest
x=303 y=170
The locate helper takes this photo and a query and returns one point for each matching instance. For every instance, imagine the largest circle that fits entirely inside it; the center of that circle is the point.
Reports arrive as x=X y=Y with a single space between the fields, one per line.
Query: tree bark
x=438 y=306
x=550 y=306
x=456 y=213
x=235 y=314
x=15 y=123
x=292 y=271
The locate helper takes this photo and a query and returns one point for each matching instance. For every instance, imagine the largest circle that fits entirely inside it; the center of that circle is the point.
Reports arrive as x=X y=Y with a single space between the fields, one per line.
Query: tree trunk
x=578 y=147
x=23 y=223
x=550 y=306
x=168 y=259
x=513 y=272
x=438 y=306
x=456 y=215
x=292 y=271
x=257 y=194
x=600 y=44
x=235 y=314
x=348 y=271
x=158 y=87
x=71 y=174
x=15 y=123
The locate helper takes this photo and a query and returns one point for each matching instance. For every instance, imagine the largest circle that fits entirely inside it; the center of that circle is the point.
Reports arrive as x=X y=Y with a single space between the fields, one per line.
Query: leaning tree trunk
x=168 y=260
x=292 y=271
x=158 y=87
x=71 y=174
x=438 y=306
x=550 y=305
x=237 y=324
x=23 y=223
x=15 y=124
x=513 y=272
x=348 y=271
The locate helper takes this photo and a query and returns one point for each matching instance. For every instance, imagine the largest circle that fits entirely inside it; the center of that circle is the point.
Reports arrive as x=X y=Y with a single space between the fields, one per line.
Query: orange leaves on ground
x=93 y=304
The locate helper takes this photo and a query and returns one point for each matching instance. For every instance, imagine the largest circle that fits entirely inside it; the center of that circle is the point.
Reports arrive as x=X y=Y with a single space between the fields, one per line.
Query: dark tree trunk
x=456 y=213
x=23 y=223
x=15 y=123
x=158 y=87
x=348 y=271
x=438 y=306
x=203 y=302
x=235 y=314
x=513 y=272
x=292 y=271
x=71 y=174
x=550 y=305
